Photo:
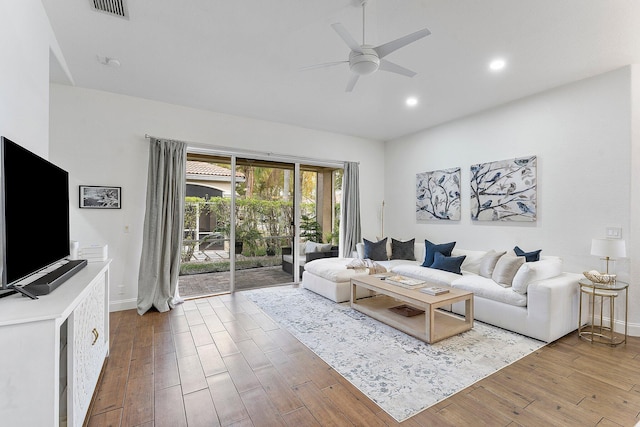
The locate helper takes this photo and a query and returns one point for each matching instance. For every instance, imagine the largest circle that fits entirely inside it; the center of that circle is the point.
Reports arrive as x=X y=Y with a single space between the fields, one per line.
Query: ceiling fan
x=366 y=59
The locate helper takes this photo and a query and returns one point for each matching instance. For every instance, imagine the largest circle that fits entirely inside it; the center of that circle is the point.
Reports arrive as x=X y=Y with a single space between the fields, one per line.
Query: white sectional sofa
x=541 y=301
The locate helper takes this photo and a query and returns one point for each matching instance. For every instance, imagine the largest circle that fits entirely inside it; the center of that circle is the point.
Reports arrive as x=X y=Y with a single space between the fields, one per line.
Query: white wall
x=581 y=134
x=99 y=138
x=25 y=39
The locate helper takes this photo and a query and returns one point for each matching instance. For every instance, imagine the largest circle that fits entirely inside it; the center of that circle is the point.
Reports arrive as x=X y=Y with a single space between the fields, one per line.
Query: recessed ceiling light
x=497 y=64
x=412 y=101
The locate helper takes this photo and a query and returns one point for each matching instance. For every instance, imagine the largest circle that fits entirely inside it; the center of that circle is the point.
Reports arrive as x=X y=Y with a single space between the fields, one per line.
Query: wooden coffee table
x=431 y=326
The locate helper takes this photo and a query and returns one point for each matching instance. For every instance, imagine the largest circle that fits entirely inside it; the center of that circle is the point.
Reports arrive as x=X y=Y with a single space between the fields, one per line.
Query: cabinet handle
x=96 y=335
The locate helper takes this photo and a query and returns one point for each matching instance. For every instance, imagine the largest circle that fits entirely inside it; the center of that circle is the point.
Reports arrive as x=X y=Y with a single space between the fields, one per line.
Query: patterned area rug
x=403 y=375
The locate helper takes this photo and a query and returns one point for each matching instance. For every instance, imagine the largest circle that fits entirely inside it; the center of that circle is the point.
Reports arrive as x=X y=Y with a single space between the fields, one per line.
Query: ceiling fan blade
x=324 y=65
x=395 y=68
x=344 y=35
x=352 y=82
x=385 y=49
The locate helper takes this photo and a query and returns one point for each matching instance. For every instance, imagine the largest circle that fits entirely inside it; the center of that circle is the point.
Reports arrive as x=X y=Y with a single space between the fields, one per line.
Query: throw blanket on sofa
x=374 y=267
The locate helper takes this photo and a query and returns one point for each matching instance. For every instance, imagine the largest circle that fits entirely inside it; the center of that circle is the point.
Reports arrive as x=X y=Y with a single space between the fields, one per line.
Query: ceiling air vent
x=112 y=7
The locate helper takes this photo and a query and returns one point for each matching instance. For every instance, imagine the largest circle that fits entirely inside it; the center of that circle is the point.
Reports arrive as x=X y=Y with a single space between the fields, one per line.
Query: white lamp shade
x=612 y=248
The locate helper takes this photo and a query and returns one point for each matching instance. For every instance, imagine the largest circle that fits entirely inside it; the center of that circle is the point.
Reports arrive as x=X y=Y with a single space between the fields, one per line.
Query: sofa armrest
x=287 y=250
x=554 y=302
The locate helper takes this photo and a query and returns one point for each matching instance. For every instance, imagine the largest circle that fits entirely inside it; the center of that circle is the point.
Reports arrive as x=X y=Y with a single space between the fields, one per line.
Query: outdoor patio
x=197 y=285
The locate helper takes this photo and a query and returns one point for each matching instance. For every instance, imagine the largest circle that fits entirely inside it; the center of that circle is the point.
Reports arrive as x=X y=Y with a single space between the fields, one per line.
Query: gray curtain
x=350 y=210
x=163 y=226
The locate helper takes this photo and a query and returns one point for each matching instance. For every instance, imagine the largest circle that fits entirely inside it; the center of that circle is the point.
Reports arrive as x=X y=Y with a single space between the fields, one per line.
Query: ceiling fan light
x=364 y=64
x=412 y=101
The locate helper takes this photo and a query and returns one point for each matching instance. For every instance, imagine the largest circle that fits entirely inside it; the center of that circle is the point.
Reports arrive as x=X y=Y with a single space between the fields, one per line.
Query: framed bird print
x=505 y=190
x=438 y=195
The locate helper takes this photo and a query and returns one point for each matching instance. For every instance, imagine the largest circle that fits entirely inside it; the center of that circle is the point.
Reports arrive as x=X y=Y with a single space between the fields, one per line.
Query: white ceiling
x=243 y=57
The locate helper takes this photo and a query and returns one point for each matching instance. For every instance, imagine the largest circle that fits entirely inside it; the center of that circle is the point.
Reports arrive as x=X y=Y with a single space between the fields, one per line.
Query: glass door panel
x=205 y=263
x=263 y=230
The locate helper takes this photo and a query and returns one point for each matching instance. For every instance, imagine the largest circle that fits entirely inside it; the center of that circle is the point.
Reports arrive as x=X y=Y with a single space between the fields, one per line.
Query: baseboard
x=121 y=305
x=633 y=329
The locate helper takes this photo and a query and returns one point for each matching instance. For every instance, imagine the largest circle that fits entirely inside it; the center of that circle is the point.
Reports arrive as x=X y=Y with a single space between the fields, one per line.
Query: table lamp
x=608 y=249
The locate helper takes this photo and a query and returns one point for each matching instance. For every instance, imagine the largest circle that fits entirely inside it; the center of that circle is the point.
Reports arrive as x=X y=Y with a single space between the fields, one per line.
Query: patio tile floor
x=197 y=285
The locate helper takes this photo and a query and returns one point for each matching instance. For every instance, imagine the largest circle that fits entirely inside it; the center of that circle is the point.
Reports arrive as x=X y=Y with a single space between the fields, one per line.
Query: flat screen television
x=34 y=219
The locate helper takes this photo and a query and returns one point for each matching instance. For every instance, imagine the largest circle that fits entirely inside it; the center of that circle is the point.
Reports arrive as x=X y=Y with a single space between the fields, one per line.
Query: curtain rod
x=265 y=155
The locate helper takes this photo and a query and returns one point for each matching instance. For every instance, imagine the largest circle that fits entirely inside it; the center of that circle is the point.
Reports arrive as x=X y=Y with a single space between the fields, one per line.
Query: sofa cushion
x=431 y=248
x=472 y=259
x=433 y=276
x=488 y=263
x=447 y=263
x=333 y=269
x=403 y=250
x=532 y=256
x=289 y=259
x=487 y=288
x=376 y=251
x=506 y=268
x=390 y=264
x=529 y=272
x=312 y=247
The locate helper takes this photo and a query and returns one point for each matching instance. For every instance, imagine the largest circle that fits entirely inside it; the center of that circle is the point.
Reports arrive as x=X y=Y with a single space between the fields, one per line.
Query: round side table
x=598 y=331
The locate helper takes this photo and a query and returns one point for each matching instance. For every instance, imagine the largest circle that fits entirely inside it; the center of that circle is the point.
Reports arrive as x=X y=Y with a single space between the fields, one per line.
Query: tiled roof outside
x=204 y=168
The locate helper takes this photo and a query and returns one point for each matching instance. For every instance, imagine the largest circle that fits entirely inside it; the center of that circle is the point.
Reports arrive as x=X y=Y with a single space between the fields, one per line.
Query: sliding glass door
x=248 y=222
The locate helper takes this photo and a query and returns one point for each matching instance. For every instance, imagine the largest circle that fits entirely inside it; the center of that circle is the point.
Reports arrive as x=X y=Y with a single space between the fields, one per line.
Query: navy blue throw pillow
x=431 y=248
x=528 y=256
x=375 y=251
x=451 y=264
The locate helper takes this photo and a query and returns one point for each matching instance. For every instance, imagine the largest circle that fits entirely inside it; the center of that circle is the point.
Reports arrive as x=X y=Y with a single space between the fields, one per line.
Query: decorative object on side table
x=596 y=277
x=100 y=197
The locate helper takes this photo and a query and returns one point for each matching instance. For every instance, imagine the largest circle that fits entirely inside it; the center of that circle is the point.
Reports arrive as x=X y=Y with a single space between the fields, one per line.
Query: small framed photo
x=100 y=197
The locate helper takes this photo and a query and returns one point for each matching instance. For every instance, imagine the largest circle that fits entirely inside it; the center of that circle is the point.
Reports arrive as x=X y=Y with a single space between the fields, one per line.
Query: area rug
x=403 y=375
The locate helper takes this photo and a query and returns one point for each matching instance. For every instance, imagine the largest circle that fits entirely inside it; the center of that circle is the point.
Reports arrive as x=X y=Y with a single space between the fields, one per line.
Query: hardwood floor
x=220 y=361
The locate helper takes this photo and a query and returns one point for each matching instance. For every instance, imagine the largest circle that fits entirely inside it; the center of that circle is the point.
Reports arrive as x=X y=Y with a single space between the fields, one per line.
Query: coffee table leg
x=468 y=311
x=353 y=292
x=430 y=328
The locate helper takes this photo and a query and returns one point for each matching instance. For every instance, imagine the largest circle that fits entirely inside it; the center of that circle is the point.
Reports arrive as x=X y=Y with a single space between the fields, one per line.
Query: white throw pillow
x=506 y=269
x=546 y=268
x=310 y=247
x=472 y=261
x=488 y=263
x=360 y=250
x=418 y=251
x=323 y=247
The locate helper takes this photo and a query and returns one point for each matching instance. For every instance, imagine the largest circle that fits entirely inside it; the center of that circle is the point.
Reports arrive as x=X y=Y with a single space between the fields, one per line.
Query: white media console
x=52 y=350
